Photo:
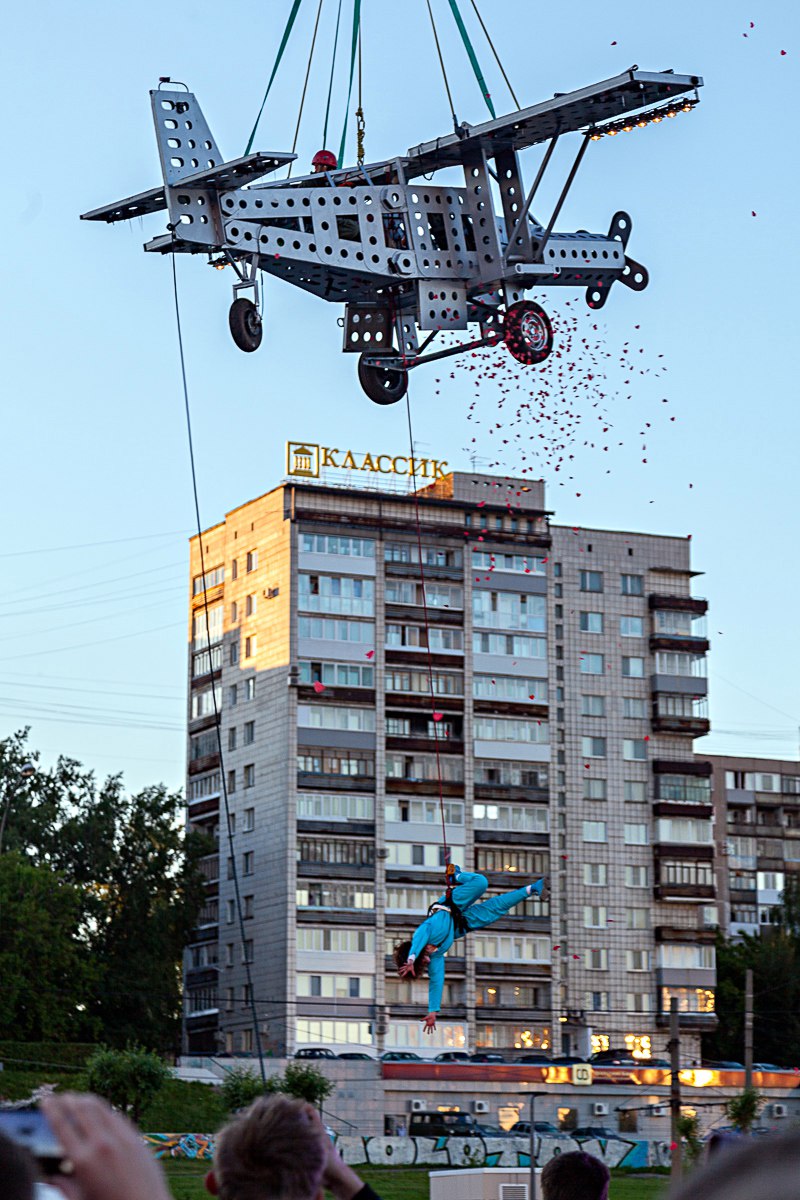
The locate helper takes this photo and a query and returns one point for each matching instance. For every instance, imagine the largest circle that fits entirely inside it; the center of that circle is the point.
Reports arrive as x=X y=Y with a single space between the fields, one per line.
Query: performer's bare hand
x=406 y=969
x=429 y=1024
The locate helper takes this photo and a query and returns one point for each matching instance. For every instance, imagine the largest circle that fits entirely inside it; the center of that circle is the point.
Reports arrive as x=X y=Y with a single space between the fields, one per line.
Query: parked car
x=451 y=1056
x=401 y=1056
x=438 y=1124
x=614 y=1058
x=597 y=1131
x=314 y=1052
x=486 y=1056
x=566 y=1060
x=537 y=1056
x=723 y=1065
x=494 y=1131
x=769 y=1067
x=359 y=1054
x=545 y=1128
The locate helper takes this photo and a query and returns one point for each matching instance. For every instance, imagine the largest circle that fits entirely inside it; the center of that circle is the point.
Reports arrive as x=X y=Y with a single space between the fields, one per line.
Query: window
x=513 y=645
x=638 y=877
x=634 y=707
x=696 y=873
x=634 y=749
x=594 y=831
x=596 y=959
x=249 y=732
x=638 y=1002
x=632 y=585
x=435 y=595
x=247 y=863
x=525 y=862
x=347 y=547
x=232 y=738
x=591 y=581
x=331 y=716
x=207 y=628
x=250 y=775
x=252 y=560
x=250 y=604
x=502 y=687
x=632 y=668
x=674 y=662
x=233 y=653
x=593 y=706
x=235 y=568
x=596 y=1001
x=320 y=894
x=508 y=729
x=337 y=987
x=634 y=791
x=637 y=960
x=770 y=881
x=509 y=610
x=636 y=835
x=637 y=918
x=684 y=829
x=595 y=789
x=343 y=851
x=343 y=940
x=250 y=646
x=591 y=622
x=631 y=627
x=203 y=744
x=593 y=747
x=233 y=695
x=694 y=1000
x=595 y=874
x=247 y=950
x=329 y=629
x=511 y=947
x=230 y=912
x=249 y=820
x=592 y=664
x=338 y=594
x=204 y=785
x=212 y=578
x=676 y=955
x=250 y=688
x=679 y=624
x=527 y=564
x=425 y=812
x=229 y=954
x=316 y=806
x=202 y=703
x=231 y=782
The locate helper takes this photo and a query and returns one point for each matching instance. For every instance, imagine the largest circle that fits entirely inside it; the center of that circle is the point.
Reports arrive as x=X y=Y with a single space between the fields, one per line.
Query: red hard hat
x=324 y=158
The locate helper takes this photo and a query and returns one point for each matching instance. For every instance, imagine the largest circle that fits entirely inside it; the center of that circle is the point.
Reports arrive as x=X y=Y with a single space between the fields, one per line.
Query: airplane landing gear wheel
x=528 y=332
x=245 y=325
x=383 y=385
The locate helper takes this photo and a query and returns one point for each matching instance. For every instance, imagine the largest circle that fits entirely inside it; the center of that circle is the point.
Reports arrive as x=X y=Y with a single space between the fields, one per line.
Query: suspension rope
x=215 y=706
x=305 y=87
x=359 y=111
x=473 y=58
x=496 y=55
x=441 y=64
x=445 y=847
x=330 y=81
x=287 y=31
x=353 y=48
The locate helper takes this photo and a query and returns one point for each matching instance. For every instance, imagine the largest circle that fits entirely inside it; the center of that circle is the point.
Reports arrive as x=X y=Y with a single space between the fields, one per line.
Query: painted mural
x=443 y=1152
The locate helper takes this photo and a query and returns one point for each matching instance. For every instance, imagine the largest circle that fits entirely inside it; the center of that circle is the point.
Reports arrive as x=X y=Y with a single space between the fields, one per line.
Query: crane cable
x=305 y=87
x=496 y=55
x=435 y=715
x=441 y=64
x=359 y=111
x=287 y=31
x=353 y=47
x=330 y=80
x=250 y=1001
x=472 y=56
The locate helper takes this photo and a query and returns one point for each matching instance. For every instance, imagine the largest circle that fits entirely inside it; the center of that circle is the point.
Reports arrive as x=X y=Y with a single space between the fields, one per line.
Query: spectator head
x=763 y=1168
x=575 y=1176
x=723 y=1139
x=17 y=1171
x=275 y=1150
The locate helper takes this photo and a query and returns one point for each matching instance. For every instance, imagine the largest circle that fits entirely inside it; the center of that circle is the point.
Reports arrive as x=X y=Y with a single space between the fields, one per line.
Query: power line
x=88 y=545
x=96 y=642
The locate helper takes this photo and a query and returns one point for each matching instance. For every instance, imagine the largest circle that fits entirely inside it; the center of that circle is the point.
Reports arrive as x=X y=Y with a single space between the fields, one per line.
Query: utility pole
x=748 y=1029
x=676 y=1156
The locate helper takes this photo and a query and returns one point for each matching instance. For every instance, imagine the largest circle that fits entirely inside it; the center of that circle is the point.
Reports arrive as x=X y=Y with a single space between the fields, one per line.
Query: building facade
x=757 y=823
x=569 y=673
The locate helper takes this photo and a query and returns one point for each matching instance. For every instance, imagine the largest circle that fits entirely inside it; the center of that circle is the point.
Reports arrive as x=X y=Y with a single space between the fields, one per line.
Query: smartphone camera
x=29 y=1127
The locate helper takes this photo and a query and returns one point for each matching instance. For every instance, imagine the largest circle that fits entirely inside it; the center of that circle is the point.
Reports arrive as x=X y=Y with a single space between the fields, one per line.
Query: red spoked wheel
x=528 y=333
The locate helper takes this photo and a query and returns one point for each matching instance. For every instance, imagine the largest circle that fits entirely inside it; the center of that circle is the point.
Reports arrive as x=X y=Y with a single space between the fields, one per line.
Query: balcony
x=691 y=604
x=209 y=868
x=685 y=891
x=693 y=726
x=340 y=783
x=496 y=790
x=680 y=642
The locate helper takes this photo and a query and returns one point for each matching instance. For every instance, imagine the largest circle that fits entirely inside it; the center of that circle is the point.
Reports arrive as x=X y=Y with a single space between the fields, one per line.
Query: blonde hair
x=275 y=1150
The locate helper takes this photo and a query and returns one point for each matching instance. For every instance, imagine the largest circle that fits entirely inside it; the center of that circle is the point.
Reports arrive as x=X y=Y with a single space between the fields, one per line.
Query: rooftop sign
x=307 y=460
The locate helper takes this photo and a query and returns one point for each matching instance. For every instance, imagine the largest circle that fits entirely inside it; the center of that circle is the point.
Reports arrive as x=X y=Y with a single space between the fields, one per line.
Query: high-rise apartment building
x=757 y=823
x=569 y=674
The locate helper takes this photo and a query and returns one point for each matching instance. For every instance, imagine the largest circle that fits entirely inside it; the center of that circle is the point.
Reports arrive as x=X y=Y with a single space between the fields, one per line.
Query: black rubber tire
x=528 y=333
x=245 y=325
x=383 y=385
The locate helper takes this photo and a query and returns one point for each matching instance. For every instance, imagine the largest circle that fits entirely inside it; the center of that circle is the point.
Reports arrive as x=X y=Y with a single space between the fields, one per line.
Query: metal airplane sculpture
x=403 y=254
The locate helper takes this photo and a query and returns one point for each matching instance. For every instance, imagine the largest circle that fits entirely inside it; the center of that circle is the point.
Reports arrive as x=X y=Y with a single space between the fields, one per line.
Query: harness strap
x=460 y=925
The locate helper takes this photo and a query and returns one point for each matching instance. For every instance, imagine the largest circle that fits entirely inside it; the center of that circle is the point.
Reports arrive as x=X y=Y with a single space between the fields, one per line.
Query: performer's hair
x=400 y=955
x=274 y=1148
x=575 y=1176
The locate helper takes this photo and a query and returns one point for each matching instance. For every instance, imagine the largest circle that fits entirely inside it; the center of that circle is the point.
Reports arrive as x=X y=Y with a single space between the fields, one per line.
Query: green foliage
x=743 y=1109
x=689 y=1131
x=45 y=966
x=131 y=888
x=304 y=1082
x=129 y=1079
x=182 y=1107
x=241 y=1087
x=22 y=1055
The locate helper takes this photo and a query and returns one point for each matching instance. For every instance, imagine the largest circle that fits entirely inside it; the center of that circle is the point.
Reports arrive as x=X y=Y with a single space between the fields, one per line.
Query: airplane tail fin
x=185 y=144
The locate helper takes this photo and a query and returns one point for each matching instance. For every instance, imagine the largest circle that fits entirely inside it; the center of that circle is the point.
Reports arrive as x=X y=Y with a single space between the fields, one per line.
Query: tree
x=129 y=1079
x=689 y=1131
x=45 y=967
x=743 y=1109
x=241 y=1087
x=137 y=875
x=303 y=1082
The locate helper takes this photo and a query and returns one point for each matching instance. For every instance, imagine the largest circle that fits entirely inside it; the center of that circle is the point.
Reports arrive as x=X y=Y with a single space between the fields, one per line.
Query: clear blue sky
x=94 y=466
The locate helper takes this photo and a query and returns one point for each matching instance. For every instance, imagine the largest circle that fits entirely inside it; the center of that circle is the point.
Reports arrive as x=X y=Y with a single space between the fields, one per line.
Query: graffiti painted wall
x=447 y=1151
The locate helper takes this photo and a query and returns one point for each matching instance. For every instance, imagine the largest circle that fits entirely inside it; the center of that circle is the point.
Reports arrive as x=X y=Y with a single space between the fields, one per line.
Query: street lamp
x=532 y=1151
x=25 y=772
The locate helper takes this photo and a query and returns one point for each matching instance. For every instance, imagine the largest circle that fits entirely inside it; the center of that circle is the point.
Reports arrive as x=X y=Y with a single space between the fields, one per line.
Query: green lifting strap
x=353 y=47
x=287 y=31
x=462 y=29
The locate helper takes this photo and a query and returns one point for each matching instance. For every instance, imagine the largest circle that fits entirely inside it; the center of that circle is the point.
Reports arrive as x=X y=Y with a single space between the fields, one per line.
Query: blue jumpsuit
x=438 y=929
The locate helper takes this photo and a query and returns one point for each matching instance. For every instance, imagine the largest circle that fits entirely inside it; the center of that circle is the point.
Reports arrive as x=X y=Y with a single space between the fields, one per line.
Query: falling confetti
x=318 y=687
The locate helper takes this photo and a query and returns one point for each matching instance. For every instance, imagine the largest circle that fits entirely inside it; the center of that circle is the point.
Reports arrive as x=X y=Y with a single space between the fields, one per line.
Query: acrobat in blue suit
x=448 y=921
